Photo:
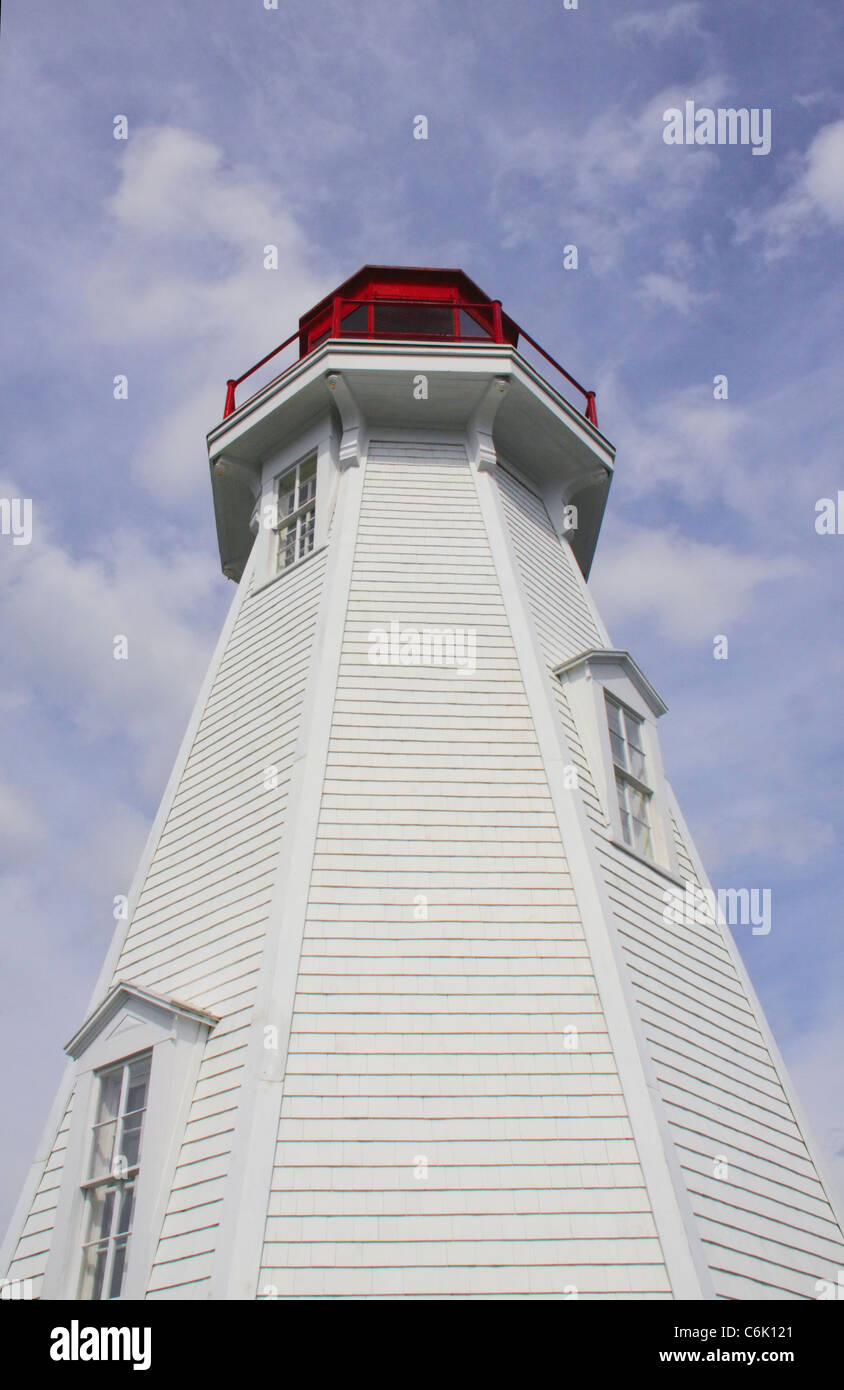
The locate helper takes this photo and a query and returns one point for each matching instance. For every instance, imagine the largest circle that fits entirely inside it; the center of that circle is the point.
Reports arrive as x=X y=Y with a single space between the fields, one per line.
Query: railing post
x=591 y=412
x=230 y=406
x=496 y=321
x=335 y=317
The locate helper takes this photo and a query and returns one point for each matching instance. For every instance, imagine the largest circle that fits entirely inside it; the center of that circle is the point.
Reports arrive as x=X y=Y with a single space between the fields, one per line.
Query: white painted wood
x=719 y=1082
x=475 y=1127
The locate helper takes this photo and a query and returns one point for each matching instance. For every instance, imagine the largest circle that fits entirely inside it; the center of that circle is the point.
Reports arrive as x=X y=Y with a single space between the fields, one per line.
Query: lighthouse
x=422 y=990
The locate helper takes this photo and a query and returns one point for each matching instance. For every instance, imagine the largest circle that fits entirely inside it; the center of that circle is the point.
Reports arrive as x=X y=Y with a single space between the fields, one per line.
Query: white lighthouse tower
x=423 y=990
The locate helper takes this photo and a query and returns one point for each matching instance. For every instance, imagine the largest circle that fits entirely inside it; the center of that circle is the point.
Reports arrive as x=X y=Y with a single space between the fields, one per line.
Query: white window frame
x=111 y=1180
x=626 y=779
x=588 y=679
x=321 y=440
x=303 y=516
x=129 y=1021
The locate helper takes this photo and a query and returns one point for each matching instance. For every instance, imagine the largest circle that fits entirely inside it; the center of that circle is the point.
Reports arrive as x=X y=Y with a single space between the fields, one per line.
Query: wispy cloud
x=184 y=267
x=812 y=203
x=682 y=444
x=682 y=19
x=591 y=181
x=667 y=292
x=61 y=613
x=690 y=589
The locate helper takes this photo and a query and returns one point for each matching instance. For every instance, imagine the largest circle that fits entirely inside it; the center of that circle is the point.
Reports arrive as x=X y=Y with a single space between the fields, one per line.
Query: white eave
x=535 y=426
x=470 y=365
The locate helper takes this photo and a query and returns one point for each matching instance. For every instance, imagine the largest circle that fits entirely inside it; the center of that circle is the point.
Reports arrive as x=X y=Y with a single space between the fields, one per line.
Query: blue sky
x=293 y=126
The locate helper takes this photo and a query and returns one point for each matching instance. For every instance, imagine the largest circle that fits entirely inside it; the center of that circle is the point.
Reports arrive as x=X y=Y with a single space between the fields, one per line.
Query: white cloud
x=669 y=293
x=21 y=827
x=813 y=202
x=682 y=18
x=824 y=176
x=60 y=615
x=824 y=97
x=692 y=590
x=686 y=444
x=614 y=185
x=184 y=265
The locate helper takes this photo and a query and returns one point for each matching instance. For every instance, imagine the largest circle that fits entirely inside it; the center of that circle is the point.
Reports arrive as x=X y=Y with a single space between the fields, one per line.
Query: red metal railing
x=378 y=319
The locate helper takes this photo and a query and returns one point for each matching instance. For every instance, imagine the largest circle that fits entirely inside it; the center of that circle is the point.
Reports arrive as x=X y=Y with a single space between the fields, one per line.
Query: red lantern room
x=411 y=304
x=407 y=302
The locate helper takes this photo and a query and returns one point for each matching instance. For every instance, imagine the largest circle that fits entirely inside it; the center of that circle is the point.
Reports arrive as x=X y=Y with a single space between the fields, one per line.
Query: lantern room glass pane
x=414 y=320
x=356 y=320
x=476 y=323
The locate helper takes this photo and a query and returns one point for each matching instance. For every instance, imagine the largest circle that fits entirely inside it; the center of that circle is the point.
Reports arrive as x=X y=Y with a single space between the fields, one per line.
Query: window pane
x=287 y=546
x=618 y=750
x=136 y=1091
x=621 y=792
x=101 y=1208
x=103 y=1212
x=642 y=839
x=287 y=494
x=307 y=483
x=356 y=320
x=474 y=325
x=637 y=763
x=93 y=1271
x=614 y=717
x=127 y=1203
x=634 y=729
x=435 y=320
x=640 y=826
x=637 y=804
x=102 y=1149
x=111 y=1083
x=130 y=1141
x=118 y=1266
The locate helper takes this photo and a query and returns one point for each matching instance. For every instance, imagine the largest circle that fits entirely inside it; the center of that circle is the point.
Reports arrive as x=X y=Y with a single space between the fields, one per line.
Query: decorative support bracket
x=244 y=472
x=352 y=451
x=479 y=433
x=235 y=471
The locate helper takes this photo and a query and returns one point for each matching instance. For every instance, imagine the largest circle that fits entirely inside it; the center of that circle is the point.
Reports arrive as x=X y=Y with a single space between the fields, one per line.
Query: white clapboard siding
x=440 y=1036
x=564 y=621
x=198 y=929
x=30 y=1257
x=768 y=1230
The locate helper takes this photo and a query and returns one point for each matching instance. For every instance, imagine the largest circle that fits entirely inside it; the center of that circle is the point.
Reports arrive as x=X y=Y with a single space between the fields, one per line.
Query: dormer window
x=615 y=708
x=113 y=1172
x=137 y=1057
x=632 y=790
x=296 y=512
